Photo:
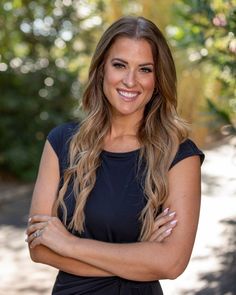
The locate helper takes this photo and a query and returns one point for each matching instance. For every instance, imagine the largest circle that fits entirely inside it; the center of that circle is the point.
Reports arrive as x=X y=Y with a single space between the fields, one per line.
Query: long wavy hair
x=160 y=131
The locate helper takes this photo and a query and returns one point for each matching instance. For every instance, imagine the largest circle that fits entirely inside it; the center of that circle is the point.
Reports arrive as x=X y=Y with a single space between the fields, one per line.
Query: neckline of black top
x=120 y=154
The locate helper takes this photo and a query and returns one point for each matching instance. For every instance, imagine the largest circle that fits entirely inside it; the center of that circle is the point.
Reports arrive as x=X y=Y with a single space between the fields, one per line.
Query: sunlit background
x=45 y=50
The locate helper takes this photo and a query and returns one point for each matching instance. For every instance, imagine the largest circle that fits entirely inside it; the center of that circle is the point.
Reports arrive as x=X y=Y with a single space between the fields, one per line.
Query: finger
x=35 y=241
x=39 y=218
x=164 y=212
x=165 y=227
x=35 y=226
x=159 y=232
x=166 y=215
x=160 y=237
x=163 y=220
x=35 y=235
x=164 y=235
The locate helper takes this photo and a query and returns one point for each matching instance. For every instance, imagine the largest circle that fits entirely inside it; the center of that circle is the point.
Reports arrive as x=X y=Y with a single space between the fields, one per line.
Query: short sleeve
x=55 y=138
x=59 y=138
x=187 y=149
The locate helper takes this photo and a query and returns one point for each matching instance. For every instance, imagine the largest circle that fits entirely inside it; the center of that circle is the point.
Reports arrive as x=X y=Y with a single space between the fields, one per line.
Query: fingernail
x=166 y=211
x=29 y=220
x=173 y=222
x=168 y=231
x=172 y=214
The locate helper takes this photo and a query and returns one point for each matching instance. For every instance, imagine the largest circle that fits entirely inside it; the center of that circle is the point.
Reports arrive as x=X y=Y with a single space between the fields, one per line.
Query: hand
x=163 y=225
x=50 y=232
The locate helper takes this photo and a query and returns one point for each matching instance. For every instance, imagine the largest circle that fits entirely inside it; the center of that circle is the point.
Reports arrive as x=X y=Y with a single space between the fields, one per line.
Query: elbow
x=174 y=274
x=171 y=271
x=175 y=270
x=35 y=255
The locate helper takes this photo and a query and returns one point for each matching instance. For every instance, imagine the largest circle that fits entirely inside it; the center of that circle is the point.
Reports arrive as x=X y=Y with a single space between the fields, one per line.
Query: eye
x=118 y=65
x=146 y=70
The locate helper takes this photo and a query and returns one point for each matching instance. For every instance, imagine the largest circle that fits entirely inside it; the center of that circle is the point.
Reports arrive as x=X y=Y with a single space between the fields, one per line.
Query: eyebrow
x=125 y=62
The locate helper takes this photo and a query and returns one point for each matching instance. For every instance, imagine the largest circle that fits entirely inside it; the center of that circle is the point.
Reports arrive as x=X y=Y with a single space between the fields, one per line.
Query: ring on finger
x=37 y=233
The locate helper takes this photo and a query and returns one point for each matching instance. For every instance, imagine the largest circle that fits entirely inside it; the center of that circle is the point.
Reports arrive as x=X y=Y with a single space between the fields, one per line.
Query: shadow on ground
x=14 y=204
x=210 y=184
x=222 y=282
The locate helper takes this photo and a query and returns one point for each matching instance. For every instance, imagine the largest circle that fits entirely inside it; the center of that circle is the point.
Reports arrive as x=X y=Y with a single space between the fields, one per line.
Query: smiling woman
x=129 y=78
x=116 y=203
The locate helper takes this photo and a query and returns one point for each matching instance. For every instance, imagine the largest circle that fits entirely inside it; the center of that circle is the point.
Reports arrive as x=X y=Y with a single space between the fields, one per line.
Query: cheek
x=108 y=77
x=108 y=85
x=110 y=81
x=149 y=84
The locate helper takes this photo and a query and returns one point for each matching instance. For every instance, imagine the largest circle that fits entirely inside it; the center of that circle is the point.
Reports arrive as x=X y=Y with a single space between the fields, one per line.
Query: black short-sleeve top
x=113 y=208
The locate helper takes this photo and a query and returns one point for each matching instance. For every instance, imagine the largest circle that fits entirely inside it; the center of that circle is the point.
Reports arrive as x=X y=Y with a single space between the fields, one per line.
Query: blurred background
x=45 y=50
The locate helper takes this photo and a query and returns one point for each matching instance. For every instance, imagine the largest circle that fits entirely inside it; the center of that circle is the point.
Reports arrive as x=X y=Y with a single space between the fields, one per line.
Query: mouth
x=128 y=95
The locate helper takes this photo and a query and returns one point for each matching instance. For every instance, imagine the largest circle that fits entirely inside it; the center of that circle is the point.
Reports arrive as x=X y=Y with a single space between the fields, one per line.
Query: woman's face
x=129 y=78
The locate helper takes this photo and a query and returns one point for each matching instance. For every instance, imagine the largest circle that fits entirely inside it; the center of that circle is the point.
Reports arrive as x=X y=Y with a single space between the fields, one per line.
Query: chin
x=129 y=112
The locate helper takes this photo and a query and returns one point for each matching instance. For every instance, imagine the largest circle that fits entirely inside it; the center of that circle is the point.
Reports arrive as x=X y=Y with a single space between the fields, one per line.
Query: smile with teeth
x=128 y=94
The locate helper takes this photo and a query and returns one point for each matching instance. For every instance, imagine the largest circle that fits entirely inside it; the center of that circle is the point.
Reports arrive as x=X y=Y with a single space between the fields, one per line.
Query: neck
x=124 y=125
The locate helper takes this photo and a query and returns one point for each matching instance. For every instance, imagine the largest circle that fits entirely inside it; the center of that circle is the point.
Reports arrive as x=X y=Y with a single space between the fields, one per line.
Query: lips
x=128 y=95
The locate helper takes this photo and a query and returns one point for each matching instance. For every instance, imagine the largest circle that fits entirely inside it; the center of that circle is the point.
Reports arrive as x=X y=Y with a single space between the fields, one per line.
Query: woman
x=119 y=172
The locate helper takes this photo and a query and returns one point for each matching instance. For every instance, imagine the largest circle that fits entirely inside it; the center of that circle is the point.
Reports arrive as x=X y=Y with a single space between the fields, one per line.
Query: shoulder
x=60 y=136
x=187 y=149
x=63 y=130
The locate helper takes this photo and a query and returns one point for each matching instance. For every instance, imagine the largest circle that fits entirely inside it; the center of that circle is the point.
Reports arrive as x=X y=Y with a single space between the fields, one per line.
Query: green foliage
x=207 y=29
x=44 y=51
x=46 y=46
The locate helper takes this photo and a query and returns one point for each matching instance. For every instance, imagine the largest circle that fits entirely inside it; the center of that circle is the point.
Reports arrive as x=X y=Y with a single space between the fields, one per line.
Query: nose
x=129 y=79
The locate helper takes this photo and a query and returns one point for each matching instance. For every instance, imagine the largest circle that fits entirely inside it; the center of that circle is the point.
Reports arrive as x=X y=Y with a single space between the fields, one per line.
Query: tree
x=45 y=48
x=207 y=29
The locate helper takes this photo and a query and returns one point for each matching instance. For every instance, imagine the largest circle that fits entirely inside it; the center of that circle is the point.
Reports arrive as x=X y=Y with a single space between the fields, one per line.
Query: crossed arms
x=164 y=256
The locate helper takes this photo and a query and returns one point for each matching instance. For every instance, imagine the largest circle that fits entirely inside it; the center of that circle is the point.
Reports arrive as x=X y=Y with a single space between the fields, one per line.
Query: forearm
x=144 y=261
x=42 y=254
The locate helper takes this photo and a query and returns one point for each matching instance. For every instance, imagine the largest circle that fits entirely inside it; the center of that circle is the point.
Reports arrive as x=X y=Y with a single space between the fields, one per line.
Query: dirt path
x=212 y=269
x=18 y=275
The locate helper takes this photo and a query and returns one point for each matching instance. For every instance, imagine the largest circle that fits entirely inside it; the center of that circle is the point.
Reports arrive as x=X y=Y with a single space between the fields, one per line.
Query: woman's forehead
x=131 y=48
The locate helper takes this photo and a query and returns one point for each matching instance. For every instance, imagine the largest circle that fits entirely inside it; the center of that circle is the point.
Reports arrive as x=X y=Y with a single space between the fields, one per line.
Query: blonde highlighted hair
x=160 y=132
